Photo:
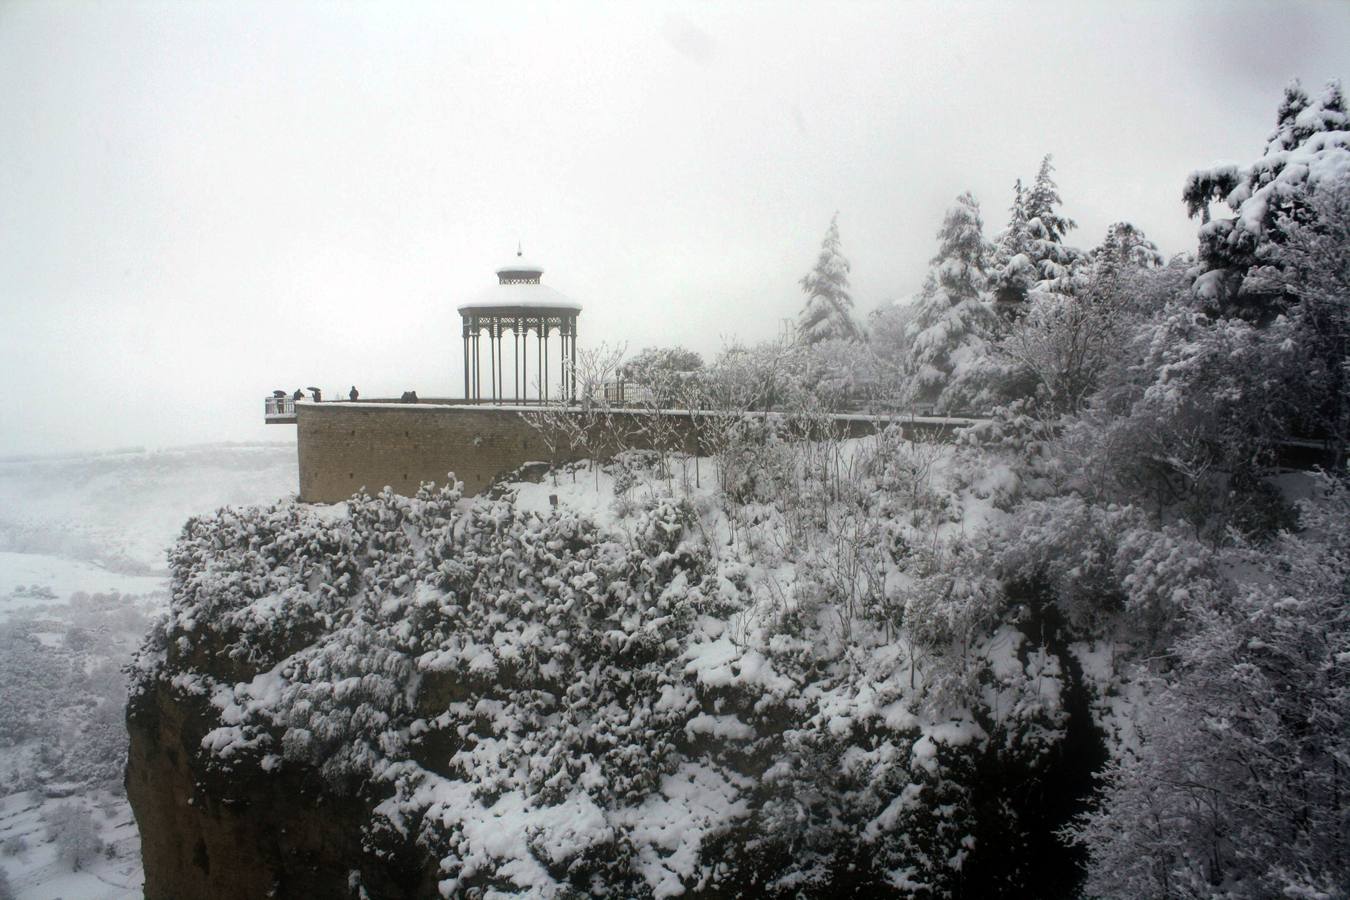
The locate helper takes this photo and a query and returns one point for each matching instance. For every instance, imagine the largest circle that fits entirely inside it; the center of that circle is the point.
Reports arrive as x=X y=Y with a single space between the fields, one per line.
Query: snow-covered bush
x=1109 y=568
x=1239 y=790
x=655 y=718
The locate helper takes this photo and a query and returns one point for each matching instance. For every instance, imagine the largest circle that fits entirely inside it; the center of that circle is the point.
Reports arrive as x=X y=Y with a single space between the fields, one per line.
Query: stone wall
x=344 y=447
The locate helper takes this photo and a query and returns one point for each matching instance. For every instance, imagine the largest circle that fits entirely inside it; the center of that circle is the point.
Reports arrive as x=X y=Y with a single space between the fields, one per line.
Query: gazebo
x=519 y=303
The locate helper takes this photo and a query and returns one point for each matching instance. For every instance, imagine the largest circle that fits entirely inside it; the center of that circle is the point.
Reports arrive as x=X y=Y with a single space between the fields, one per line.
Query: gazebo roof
x=518 y=292
x=529 y=297
x=517 y=264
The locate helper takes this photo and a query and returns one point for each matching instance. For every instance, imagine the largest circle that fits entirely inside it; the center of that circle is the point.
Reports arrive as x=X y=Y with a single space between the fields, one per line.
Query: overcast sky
x=202 y=202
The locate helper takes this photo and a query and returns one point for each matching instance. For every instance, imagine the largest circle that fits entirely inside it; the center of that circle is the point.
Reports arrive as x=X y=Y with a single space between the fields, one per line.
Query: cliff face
x=208 y=833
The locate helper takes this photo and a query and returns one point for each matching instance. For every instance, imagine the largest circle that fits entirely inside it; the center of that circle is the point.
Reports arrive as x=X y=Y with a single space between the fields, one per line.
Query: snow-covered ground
x=38 y=871
x=82 y=571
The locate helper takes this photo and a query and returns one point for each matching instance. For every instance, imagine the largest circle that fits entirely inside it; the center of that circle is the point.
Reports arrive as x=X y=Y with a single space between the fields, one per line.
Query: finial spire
x=518 y=248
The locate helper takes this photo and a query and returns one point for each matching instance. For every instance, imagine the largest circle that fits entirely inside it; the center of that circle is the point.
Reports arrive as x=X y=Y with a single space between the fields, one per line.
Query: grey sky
x=199 y=202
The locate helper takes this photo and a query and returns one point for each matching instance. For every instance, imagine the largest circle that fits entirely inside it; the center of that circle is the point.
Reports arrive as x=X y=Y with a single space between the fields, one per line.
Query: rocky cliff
x=246 y=832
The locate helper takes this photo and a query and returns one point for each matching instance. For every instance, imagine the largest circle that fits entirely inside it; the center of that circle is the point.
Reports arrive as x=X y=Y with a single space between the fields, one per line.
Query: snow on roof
x=521 y=296
x=517 y=264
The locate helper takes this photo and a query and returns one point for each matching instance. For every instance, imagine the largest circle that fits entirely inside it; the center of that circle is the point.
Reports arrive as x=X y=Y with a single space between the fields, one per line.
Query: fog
x=200 y=203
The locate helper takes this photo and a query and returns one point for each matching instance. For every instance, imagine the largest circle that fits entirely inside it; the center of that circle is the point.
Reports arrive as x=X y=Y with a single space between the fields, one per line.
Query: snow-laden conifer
x=1051 y=259
x=1030 y=254
x=829 y=307
x=953 y=321
x=1125 y=249
x=1309 y=149
x=1013 y=275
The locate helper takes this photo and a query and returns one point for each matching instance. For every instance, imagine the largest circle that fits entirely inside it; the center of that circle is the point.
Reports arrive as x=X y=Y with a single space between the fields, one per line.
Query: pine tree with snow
x=953 y=320
x=1042 y=201
x=829 y=307
x=1295 y=101
x=1031 y=254
x=1013 y=275
x=1308 y=151
x=1052 y=261
x=1125 y=249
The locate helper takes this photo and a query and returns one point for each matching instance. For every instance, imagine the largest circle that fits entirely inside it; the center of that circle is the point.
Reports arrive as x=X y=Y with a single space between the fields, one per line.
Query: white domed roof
x=518 y=288
x=521 y=296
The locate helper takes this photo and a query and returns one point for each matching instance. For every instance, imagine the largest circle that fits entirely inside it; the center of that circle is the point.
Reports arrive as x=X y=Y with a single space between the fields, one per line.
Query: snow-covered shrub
x=636 y=713
x=951 y=602
x=755 y=461
x=1107 y=566
x=663 y=371
x=1239 y=790
x=512 y=654
x=32 y=677
x=1190 y=420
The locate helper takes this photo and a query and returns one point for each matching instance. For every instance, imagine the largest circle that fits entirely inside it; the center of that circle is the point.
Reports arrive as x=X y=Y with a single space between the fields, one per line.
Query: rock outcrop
x=208 y=833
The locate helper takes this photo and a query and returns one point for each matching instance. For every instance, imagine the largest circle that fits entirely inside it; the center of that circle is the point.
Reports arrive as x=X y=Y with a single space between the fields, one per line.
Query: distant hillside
x=123 y=509
x=83 y=543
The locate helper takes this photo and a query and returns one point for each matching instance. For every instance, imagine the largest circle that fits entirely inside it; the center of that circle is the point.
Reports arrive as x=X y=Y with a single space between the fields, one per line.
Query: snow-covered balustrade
x=279 y=411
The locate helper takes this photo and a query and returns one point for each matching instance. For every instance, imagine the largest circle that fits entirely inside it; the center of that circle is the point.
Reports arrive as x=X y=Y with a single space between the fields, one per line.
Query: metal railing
x=278 y=408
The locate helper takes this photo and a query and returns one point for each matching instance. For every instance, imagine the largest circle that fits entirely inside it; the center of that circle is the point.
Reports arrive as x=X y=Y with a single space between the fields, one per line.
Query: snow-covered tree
x=829 y=307
x=1030 y=253
x=1239 y=790
x=1125 y=249
x=1309 y=148
x=661 y=375
x=652 y=363
x=1051 y=259
x=1013 y=275
x=1312 y=266
x=888 y=340
x=1058 y=348
x=952 y=321
x=72 y=827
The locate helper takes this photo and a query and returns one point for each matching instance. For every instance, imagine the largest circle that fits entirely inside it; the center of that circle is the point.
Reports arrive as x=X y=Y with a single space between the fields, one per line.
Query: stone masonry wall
x=344 y=447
